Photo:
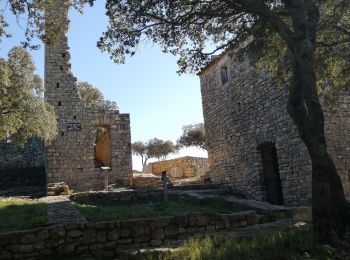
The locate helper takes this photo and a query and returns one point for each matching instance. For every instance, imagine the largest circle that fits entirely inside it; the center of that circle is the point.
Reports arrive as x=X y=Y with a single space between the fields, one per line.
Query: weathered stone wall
x=191 y=166
x=13 y=156
x=105 y=239
x=70 y=158
x=337 y=128
x=248 y=111
x=146 y=181
x=118 y=197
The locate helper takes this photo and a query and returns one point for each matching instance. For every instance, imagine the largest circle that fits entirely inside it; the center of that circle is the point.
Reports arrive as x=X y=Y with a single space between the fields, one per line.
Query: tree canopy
x=93 y=97
x=193 y=135
x=154 y=148
x=23 y=111
x=32 y=13
x=304 y=44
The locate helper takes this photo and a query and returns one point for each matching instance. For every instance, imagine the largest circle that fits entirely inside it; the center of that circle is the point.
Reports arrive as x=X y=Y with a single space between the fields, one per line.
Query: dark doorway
x=272 y=178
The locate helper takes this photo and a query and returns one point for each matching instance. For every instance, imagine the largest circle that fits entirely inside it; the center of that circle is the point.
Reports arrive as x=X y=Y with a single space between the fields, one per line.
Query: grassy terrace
x=157 y=209
x=20 y=214
x=295 y=243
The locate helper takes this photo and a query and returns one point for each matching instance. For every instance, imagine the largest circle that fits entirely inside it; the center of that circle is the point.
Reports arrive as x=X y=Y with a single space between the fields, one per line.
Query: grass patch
x=20 y=214
x=158 y=209
x=294 y=243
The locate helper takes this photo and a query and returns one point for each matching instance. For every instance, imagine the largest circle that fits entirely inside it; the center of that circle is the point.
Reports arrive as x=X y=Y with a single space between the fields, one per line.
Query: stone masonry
x=189 y=166
x=13 y=156
x=243 y=111
x=70 y=157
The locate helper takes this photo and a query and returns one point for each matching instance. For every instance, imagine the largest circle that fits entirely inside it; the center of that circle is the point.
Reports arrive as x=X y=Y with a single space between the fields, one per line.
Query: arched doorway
x=271 y=176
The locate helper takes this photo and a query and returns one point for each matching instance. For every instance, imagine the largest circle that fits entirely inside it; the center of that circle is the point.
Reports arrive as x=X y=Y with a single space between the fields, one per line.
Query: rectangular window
x=224 y=74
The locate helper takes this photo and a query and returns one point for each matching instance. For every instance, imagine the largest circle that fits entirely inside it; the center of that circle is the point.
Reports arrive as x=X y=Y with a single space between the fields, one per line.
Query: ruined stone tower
x=71 y=157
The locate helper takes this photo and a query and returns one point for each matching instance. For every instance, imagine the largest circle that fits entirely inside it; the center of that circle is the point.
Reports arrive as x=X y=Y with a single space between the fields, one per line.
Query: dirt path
x=60 y=210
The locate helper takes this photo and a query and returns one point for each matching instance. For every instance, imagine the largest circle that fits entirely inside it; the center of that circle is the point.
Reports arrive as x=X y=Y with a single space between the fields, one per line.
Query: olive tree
x=23 y=110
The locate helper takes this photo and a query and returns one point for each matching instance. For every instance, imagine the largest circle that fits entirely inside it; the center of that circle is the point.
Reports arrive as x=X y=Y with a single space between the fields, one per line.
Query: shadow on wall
x=23 y=182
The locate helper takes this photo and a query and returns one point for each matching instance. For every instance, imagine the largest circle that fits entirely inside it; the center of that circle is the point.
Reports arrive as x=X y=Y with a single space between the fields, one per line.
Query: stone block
x=89 y=236
x=198 y=219
x=158 y=234
x=124 y=241
x=170 y=230
x=75 y=233
x=25 y=248
x=28 y=239
x=113 y=234
x=57 y=232
x=155 y=242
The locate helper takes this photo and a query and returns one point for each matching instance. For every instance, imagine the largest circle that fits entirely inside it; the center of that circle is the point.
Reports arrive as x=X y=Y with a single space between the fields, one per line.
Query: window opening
x=102 y=147
x=224 y=74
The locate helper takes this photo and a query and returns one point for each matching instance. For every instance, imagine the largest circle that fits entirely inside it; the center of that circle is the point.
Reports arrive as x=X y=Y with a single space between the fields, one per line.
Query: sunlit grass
x=20 y=214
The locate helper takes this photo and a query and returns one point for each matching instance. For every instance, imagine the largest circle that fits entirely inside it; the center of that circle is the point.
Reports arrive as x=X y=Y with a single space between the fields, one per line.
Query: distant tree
x=161 y=149
x=93 y=97
x=193 y=135
x=23 y=111
x=141 y=149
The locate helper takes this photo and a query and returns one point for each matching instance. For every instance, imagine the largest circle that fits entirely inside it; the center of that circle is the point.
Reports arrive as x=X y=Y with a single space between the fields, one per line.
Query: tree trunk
x=329 y=206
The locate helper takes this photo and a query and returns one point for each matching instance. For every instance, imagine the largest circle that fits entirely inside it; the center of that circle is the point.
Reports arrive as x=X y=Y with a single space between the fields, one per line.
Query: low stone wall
x=146 y=181
x=105 y=239
x=117 y=197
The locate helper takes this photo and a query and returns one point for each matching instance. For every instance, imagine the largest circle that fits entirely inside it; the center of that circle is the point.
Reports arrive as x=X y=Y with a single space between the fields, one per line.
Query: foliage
x=193 y=135
x=36 y=26
x=160 y=149
x=293 y=243
x=154 y=148
x=93 y=97
x=157 y=209
x=23 y=111
x=140 y=148
x=19 y=214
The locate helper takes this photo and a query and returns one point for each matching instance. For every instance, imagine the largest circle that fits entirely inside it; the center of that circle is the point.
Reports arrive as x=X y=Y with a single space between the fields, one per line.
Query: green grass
x=292 y=243
x=20 y=214
x=119 y=212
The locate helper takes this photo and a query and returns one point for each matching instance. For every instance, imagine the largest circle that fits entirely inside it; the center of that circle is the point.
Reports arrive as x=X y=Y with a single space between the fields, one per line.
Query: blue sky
x=159 y=101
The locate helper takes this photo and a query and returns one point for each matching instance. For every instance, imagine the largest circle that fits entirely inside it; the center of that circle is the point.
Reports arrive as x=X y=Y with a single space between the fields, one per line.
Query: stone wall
x=70 y=158
x=117 y=197
x=105 y=239
x=13 y=156
x=191 y=166
x=248 y=111
x=146 y=181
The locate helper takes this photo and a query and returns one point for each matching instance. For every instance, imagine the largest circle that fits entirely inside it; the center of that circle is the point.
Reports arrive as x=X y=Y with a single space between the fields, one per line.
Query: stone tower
x=71 y=156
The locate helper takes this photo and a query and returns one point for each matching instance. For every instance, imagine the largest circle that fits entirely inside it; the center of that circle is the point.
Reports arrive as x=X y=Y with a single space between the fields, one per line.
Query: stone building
x=183 y=167
x=253 y=144
x=71 y=157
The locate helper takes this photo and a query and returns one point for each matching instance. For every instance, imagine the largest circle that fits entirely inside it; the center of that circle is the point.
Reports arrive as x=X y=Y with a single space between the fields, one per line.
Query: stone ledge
x=109 y=237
